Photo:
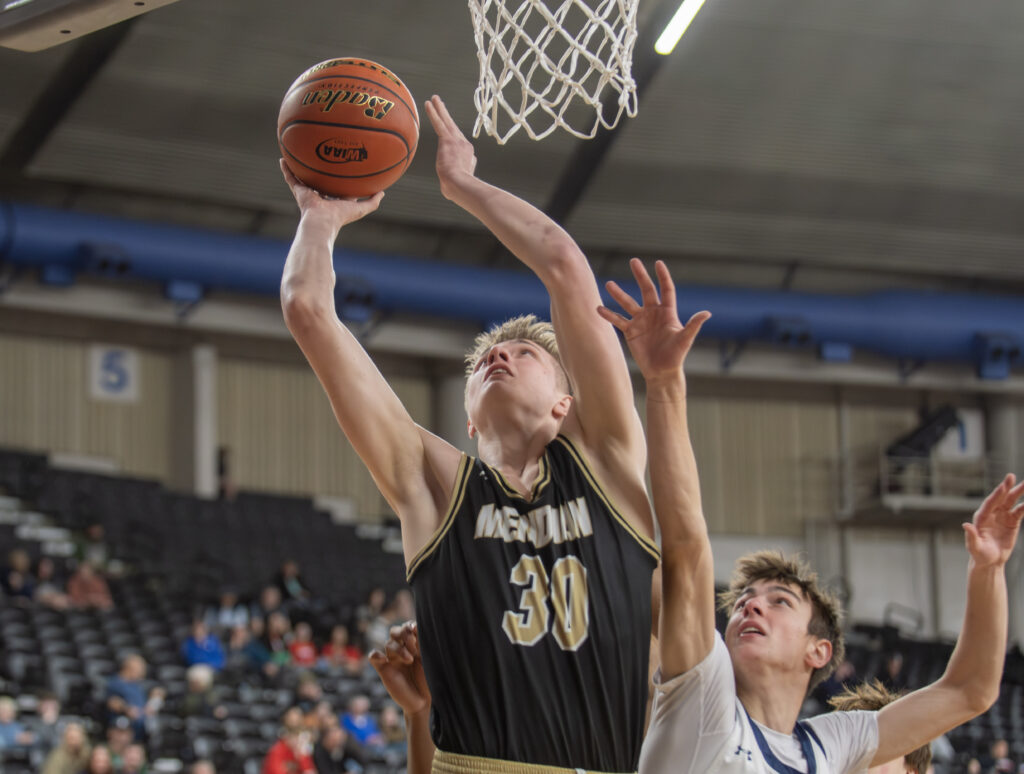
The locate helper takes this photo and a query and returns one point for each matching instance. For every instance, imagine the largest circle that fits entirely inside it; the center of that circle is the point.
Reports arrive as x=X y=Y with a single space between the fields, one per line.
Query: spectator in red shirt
x=302 y=648
x=293 y=752
x=340 y=653
x=87 y=588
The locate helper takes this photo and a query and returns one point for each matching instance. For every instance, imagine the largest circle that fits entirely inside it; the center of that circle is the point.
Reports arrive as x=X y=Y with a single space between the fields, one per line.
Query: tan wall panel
x=45 y=406
x=767 y=460
x=283 y=436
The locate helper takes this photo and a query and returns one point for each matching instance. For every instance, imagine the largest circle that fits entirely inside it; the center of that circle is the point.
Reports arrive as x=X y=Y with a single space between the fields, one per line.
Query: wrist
x=461 y=188
x=421 y=715
x=670 y=388
x=320 y=226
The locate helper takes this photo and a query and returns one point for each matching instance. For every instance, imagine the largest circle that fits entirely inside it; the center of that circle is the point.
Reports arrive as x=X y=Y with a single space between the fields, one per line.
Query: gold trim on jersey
x=458 y=493
x=541 y=481
x=453 y=763
x=645 y=542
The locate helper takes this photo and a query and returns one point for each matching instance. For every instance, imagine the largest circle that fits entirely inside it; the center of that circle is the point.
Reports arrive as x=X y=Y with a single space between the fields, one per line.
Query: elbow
x=304 y=309
x=567 y=265
x=981 y=699
x=973 y=697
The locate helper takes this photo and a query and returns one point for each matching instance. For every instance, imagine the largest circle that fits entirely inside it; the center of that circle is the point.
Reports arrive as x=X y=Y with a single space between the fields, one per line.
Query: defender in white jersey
x=731 y=705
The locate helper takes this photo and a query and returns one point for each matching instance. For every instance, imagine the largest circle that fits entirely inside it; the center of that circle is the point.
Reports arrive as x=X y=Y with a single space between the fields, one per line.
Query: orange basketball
x=348 y=127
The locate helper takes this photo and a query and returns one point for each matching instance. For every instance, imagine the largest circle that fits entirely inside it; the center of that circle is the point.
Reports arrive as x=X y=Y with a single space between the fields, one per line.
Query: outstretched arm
x=401 y=671
x=970 y=684
x=370 y=414
x=659 y=343
x=593 y=359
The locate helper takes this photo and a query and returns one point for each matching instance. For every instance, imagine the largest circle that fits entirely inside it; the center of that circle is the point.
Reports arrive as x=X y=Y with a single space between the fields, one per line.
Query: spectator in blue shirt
x=126 y=694
x=12 y=733
x=202 y=647
x=360 y=724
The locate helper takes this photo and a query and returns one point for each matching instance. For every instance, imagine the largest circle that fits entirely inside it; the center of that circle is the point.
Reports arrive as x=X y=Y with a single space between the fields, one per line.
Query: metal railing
x=929 y=476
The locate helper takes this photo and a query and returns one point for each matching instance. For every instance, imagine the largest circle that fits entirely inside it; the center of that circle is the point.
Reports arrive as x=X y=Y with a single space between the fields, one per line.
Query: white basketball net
x=547 y=63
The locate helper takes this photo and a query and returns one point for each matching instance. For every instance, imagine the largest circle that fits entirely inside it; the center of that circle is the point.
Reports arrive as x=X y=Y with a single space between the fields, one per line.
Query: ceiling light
x=677 y=26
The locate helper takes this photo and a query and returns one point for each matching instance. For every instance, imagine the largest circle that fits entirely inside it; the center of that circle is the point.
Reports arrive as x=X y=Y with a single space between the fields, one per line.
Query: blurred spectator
x=321 y=716
x=126 y=695
x=339 y=653
x=16 y=579
x=71 y=755
x=268 y=603
x=227 y=614
x=1001 y=761
x=289 y=581
x=373 y=607
x=404 y=607
x=360 y=723
x=120 y=736
x=277 y=637
x=331 y=754
x=203 y=647
x=202 y=767
x=46 y=725
x=401 y=609
x=50 y=586
x=134 y=760
x=12 y=733
x=302 y=647
x=248 y=653
x=201 y=698
x=893 y=677
x=837 y=682
x=376 y=633
x=308 y=694
x=99 y=761
x=87 y=588
x=392 y=728
x=292 y=753
x=91 y=548
x=236 y=657
x=974 y=766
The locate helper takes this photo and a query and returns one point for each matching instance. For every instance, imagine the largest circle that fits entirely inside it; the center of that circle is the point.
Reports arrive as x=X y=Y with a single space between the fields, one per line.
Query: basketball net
x=546 y=64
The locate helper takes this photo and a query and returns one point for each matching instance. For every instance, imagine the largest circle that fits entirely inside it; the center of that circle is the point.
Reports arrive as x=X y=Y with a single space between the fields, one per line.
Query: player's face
x=516 y=372
x=768 y=628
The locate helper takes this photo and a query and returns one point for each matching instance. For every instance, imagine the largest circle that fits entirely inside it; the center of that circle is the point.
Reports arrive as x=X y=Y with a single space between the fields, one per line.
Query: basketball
x=348 y=127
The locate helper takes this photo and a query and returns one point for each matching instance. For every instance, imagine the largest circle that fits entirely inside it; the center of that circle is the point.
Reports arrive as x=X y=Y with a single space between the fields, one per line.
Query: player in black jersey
x=533 y=562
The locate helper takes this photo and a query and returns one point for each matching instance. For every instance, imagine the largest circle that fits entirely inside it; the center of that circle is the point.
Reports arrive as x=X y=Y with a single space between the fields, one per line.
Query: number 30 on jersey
x=566 y=589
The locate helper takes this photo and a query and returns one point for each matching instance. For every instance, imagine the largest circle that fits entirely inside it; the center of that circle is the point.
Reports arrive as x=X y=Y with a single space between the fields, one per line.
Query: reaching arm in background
x=659 y=343
x=401 y=671
x=970 y=684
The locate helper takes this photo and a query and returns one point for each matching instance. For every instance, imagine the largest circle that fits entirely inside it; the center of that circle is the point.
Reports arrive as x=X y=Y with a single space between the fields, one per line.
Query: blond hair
x=525 y=327
x=826 y=612
x=873 y=696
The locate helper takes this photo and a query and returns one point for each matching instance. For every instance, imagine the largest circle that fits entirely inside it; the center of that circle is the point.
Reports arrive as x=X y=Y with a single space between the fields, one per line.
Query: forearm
x=976 y=666
x=675 y=484
x=420 y=744
x=526 y=231
x=309 y=270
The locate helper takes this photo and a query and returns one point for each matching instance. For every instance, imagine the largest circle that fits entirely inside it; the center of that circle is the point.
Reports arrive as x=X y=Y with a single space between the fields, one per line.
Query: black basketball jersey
x=535 y=619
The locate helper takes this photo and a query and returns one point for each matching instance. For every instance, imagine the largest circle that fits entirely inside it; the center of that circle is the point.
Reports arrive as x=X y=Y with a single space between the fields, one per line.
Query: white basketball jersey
x=698 y=726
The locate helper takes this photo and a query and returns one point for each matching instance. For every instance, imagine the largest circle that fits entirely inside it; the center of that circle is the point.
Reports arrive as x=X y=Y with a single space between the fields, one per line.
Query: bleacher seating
x=180 y=551
x=183 y=550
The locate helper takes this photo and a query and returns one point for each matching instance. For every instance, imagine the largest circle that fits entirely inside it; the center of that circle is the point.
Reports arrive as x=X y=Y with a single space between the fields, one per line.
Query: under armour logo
x=741 y=752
